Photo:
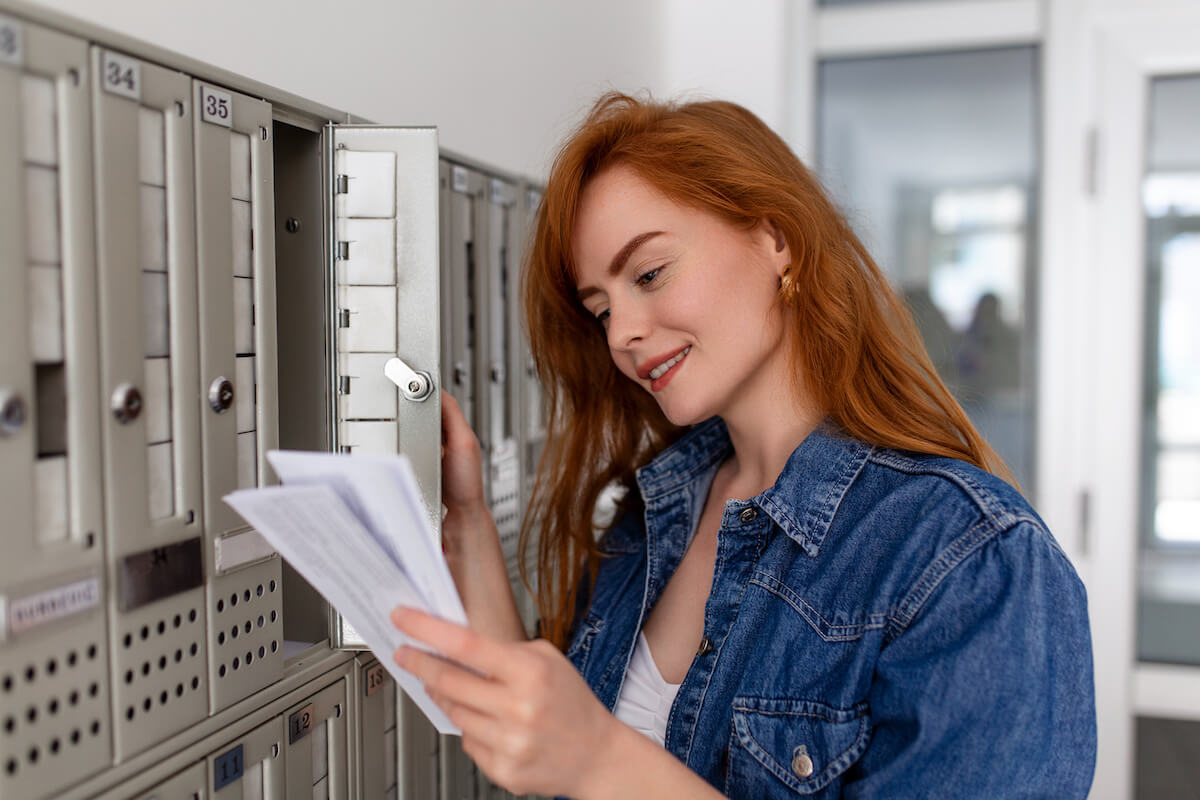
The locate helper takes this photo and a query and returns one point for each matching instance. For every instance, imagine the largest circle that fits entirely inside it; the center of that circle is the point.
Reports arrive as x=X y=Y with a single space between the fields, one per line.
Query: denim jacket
x=881 y=624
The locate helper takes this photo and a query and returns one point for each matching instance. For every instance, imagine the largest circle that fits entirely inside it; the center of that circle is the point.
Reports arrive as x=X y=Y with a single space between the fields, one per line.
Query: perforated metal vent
x=160 y=679
x=54 y=712
x=246 y=631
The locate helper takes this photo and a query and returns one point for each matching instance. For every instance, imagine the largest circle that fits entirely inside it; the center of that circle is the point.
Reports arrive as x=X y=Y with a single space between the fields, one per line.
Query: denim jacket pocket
x=581 y=645
x=781 y=747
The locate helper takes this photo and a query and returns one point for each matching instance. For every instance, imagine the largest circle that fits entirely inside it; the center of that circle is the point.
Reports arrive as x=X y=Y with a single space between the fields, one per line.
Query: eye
x=647 y=278
x=602 y=317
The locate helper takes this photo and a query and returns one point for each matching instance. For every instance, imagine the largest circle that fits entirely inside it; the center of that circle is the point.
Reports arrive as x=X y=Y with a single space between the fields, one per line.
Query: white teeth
x=662 y=368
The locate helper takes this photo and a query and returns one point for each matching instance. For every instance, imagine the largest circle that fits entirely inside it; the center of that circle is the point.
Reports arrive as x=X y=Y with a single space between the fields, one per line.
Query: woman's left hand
x=527 y=717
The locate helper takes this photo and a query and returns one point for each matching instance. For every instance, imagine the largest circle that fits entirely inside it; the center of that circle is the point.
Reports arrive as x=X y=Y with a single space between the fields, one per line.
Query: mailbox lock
x=415 y=385
x=12 y=413
x=126 y=403
x=220 y=395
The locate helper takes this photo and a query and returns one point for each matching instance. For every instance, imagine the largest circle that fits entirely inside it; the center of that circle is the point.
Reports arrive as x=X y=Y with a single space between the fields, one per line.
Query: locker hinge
x=343 y=384
x=343 y=318
x=343 y=251
x=1091 y=154
x=341 y=184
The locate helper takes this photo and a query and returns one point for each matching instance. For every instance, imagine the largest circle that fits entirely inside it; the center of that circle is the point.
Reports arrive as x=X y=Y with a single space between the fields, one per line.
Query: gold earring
x=787 y=284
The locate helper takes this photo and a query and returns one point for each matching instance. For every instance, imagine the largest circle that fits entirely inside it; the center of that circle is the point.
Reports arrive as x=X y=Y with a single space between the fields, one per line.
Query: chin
x=683 y=415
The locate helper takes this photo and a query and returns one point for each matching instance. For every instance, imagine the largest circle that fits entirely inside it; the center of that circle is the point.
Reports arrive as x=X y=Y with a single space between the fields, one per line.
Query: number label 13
x=216 y=106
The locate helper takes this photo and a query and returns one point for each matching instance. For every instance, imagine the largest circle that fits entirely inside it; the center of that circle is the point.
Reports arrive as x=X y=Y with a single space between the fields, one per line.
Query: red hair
x=856 y=352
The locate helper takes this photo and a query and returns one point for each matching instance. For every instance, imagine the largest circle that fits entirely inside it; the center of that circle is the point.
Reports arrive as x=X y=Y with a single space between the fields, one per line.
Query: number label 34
x=216 y=106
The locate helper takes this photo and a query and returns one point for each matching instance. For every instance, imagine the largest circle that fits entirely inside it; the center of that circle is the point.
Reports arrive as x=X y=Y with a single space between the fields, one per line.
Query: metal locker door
x=462 y=296
x=497 y=417
x=386 y=288
x=235 y=227
x=378 y=741
x=190 y=784
x=530 y=400
x=315 y=755
x=149 y=389
x=250 y=767
x=54 y=704
x=386 y=285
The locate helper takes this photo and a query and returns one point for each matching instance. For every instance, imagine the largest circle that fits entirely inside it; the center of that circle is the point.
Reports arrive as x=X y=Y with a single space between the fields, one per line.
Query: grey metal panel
x=220 y=155
x=190 y=784
x=497 y=417
x=234 y=182
x=160 y=676
x=315 y=746
x=53 y=520
x=417 y=773
x=410 y=318
x=55 y=720
x=245 y=636
x=155 y=694
x=371 y=695
x=456 y=771
x=462 y=243
x=261 y=765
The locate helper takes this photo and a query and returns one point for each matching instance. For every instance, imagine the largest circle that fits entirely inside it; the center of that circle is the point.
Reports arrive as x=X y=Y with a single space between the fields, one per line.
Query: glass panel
x=1169 y=570
x=1168 y=751
x=934 y=158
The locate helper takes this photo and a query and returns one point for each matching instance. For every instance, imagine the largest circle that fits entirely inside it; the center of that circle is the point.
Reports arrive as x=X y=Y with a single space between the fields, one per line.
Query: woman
x=815 y=583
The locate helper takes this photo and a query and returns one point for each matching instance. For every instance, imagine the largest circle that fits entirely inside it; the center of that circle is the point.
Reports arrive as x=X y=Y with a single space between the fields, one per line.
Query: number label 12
x=300 y=724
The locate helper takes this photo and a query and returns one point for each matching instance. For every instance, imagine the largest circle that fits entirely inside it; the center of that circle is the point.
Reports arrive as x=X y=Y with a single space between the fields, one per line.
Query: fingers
x=456 y=431
x=456 y=642
x=449 y=684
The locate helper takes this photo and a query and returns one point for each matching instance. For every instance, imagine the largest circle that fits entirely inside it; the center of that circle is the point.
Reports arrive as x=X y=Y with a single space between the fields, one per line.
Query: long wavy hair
x=855 y=349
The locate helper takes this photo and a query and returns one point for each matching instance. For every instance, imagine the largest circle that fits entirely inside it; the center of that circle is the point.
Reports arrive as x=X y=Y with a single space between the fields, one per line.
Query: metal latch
x=414 y=384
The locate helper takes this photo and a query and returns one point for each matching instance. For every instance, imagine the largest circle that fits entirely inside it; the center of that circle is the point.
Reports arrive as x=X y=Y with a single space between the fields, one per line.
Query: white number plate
x=12 y=42
x=121 y=75
x=216 y=106
x=459 y=181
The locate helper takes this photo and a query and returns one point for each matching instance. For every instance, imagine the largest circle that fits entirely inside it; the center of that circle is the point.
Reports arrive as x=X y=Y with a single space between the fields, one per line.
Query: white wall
x=503 y=81
x=730 y=51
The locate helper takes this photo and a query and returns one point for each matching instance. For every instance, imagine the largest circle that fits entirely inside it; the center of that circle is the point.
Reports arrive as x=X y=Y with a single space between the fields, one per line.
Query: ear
x=782 y=256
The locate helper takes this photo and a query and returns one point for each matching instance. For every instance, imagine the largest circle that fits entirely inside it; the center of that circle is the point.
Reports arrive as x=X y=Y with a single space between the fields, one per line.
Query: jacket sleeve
x=984 y=687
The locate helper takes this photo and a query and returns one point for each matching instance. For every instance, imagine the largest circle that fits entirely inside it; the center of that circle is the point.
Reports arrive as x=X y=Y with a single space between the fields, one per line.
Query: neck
x=764 y=435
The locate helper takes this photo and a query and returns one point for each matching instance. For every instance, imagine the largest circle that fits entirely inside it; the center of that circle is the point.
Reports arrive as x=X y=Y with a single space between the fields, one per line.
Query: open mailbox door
x=384 y=292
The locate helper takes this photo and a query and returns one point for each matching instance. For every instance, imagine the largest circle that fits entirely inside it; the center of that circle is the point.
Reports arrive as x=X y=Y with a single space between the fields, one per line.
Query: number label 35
x=216 y=106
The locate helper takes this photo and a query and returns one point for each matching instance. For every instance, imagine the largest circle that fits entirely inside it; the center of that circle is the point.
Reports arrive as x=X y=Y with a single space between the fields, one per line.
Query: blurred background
x=1027 y=172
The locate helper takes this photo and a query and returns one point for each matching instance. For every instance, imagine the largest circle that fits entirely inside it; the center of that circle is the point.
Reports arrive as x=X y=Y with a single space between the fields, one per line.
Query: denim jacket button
x=802 y=763
x=748 y=515
x=705 y=647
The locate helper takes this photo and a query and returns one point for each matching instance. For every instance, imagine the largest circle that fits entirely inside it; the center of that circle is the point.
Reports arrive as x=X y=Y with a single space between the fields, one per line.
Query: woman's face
x=688 y=302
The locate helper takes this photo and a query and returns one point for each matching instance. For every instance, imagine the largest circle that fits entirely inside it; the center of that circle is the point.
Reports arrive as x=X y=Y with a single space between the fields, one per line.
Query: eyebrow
x=618 y=261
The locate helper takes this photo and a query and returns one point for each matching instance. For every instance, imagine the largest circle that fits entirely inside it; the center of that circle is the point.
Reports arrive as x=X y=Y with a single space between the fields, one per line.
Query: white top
x=646 y=697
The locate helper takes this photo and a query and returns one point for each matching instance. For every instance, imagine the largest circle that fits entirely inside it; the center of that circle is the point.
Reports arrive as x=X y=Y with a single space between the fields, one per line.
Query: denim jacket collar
x=821 y=468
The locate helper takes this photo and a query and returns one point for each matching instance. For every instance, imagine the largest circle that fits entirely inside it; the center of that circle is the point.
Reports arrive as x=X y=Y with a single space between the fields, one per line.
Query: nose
x=627 y=325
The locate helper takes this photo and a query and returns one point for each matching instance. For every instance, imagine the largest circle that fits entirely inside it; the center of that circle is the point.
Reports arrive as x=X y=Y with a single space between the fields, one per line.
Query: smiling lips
x=659 y=370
